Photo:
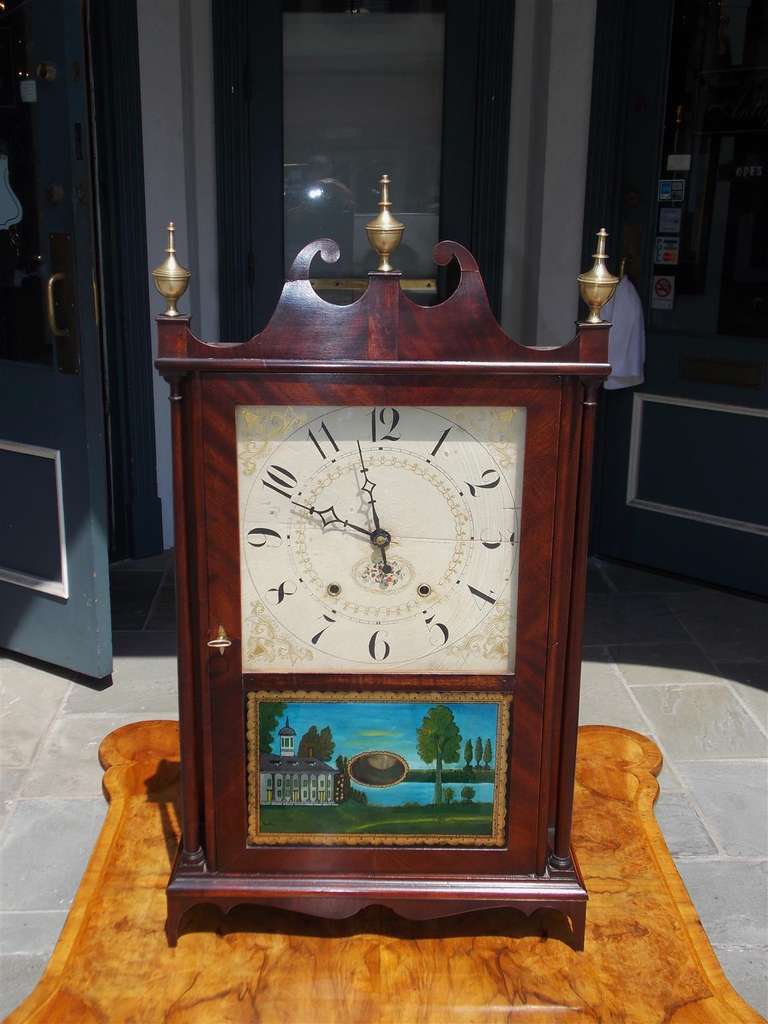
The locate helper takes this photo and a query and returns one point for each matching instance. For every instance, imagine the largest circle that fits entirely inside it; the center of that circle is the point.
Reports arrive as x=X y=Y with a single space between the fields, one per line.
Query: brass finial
x=384 y=231
x=598 y=284
x=171 y=279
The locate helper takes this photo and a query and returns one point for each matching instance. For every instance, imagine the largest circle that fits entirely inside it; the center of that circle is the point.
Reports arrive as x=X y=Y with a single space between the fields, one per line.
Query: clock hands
x=368 y=487
x=329 y=515
x=379 y=538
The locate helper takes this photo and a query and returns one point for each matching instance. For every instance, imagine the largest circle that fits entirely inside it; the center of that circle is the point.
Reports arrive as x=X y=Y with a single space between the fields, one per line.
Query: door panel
x=54 y=589
x=682 y=486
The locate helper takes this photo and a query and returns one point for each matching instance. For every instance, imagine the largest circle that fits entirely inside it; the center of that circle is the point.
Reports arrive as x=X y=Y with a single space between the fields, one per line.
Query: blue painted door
x=54 y=586
x=683 y=481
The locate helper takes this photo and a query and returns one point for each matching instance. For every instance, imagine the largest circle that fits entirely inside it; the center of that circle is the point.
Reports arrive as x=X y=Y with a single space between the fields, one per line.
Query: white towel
x=626 y=342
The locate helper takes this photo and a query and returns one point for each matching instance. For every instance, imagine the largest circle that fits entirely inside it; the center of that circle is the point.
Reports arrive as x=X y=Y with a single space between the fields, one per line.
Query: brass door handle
x=56 y=331
x=221 y=641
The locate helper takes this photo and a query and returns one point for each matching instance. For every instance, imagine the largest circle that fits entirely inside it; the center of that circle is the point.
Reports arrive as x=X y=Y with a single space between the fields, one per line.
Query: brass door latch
x=221 y=641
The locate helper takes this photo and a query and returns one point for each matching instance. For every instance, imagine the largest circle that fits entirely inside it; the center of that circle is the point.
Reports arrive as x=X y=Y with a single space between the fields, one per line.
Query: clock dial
x=379 y=539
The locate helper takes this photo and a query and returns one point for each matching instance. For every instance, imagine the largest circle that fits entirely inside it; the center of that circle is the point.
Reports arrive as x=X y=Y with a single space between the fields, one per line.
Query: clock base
x=416 y=898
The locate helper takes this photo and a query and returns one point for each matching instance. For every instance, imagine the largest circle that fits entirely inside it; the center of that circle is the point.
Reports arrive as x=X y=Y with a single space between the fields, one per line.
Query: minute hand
x=329 y=515
x=368 y=487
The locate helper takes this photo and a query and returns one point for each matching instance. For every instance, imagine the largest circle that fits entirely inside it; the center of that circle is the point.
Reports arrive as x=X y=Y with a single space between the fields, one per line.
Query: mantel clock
x=381 y=516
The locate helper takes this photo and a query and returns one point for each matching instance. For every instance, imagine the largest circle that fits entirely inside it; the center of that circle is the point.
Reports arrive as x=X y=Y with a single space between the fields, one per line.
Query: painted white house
x=296 y=781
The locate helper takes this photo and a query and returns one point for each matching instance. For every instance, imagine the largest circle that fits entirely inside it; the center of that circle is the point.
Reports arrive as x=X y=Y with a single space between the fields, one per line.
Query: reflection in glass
x=363 y=95
x=23 y=335
x=716 y=146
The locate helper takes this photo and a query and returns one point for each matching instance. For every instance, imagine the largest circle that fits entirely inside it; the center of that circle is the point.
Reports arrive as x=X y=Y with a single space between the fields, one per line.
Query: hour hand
x=329 y=516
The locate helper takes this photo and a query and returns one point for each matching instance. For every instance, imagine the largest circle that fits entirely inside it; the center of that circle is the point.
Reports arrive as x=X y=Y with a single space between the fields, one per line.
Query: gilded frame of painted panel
x=256 y=837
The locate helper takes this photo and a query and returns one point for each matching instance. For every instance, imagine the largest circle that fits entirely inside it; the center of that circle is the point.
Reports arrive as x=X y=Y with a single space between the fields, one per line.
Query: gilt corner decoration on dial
x=379 y=540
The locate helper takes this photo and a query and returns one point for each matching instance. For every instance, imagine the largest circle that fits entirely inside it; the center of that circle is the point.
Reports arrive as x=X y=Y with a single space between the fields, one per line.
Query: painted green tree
x=478 y=751
x=449 y=794
x=439 y=740
x=468 y=753
x=317 y=744
x=270 y=713
x=344 y=784
x=468 y=794
x=487 y=754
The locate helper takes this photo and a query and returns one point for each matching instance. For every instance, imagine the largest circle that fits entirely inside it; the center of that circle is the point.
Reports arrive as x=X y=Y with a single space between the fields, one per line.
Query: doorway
x=76 y=431
x=315 y=99
x=680 y=482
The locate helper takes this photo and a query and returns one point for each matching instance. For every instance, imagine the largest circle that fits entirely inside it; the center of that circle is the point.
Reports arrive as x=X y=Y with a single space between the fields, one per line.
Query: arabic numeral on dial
x=443 y=436
x=262 y=536
x=385 y=420
x=285 y=589
x=494 y=540
x=378 y=648
x=491 y=541
x=317 y=443
x=441 y=637
x=281 y=480
x=316 y=638
x=490 y=477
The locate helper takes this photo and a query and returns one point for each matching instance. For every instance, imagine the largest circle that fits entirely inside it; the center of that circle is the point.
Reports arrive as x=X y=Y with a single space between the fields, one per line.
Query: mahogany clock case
x=382 y=351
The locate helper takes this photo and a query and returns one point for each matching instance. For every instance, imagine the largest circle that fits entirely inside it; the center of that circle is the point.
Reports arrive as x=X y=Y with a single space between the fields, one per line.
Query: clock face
x=379 y=540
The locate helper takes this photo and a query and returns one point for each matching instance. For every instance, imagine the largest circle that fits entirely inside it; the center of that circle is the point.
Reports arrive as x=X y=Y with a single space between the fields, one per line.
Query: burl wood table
x=646 y=957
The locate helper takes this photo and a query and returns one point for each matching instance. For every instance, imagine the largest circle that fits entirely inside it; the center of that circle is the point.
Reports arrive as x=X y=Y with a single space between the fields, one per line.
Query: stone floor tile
x=667 y=778
x=68 y=764
x=29 y=698
x=596 y=581
x=630 y=618
x=36 y=873
x=746 y=969
x=731 y=898
x=595 y=652
x=18 y=976
x=10 y=783
x=30 y=932
x=162 y=615
x=628 y=579
x=144 y=685
x=684 y=831
x=698 y=722
x=750 y=681
x=663 y=664
x=605 y=699
x=732 y=796
x=728 y=627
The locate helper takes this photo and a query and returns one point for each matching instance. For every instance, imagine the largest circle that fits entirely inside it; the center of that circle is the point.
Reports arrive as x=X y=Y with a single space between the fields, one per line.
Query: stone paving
x=685 y=664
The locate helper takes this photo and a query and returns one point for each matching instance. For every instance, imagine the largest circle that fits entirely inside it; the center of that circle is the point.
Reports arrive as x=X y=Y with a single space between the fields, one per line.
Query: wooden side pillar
x=562 y=567
x=561 y=855
x=172 y=338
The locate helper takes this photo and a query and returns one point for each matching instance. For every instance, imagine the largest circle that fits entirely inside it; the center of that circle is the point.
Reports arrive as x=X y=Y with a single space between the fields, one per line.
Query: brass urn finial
x=598 y=284
x=384 y=231
x=171 y=279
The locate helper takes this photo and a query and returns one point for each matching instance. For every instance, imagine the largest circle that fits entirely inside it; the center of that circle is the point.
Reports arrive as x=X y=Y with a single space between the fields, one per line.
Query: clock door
x=374 y=557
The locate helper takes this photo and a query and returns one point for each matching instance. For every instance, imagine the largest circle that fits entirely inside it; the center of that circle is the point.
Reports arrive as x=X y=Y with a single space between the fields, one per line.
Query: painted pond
x=423 y=793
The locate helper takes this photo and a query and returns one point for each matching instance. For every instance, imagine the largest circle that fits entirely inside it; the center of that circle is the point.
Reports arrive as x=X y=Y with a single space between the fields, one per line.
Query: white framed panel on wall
x=634 y=498
x=54 y=583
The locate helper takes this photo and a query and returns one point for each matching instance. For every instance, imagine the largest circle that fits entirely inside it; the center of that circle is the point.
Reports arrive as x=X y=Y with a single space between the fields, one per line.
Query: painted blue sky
x=386 y=725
